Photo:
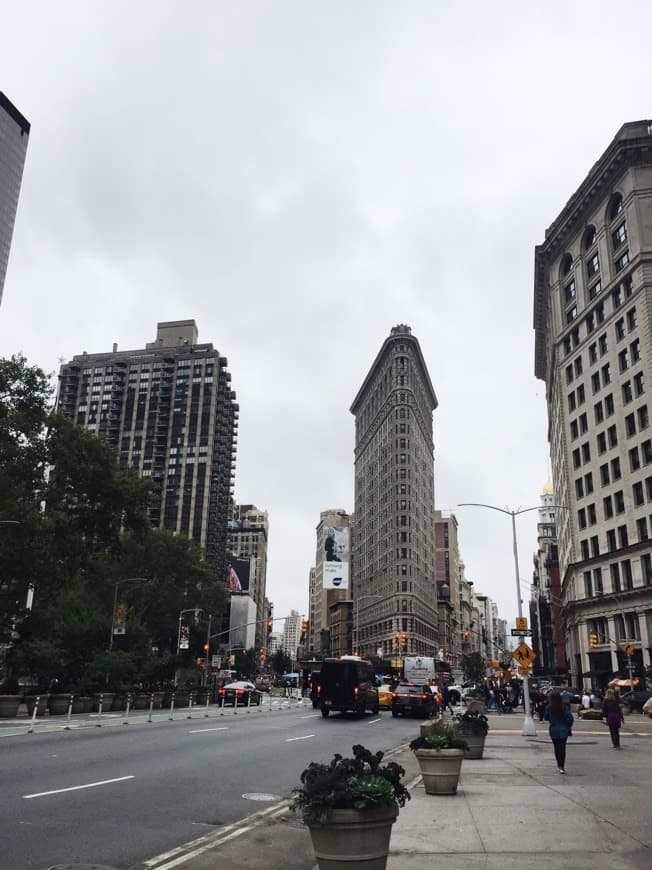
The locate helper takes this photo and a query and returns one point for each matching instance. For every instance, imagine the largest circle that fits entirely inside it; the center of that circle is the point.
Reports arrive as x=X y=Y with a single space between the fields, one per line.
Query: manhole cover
x=259 y=796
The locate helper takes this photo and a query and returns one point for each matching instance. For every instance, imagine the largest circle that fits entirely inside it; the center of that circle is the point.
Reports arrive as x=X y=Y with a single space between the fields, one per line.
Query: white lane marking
x=201 y=730
x=374 y=721
x=184 y=853
x=314 y=716
x=77 y=787
x=291 y=739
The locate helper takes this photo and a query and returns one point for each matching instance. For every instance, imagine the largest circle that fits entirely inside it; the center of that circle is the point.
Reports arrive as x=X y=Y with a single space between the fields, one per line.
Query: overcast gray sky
x=299 y=178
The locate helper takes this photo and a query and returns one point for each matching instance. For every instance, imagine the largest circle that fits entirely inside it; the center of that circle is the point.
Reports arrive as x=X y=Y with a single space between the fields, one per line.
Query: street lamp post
x=356 y=644
x=529 y=728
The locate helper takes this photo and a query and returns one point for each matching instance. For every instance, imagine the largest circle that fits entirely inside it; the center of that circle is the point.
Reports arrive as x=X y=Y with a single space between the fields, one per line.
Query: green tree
x=281 y=662
x=473 y=667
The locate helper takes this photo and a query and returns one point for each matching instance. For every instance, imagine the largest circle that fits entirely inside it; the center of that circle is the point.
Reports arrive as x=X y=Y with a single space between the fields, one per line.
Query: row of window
x=618 y=295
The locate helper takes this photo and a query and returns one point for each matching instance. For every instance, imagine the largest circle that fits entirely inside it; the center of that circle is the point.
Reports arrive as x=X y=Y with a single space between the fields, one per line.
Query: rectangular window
x=597 y=580
x=619 y=501
x=579 y=488
x=609 y=405
x=586 y=451
x=604 y=474
x=617 y=298
x=581 y=394
x=569 y=292
x=595 y=382
x=584 y=423
x=615 y=469
x=646 y=569
x=590 y=514
x=635 y=348
x=598 y=412
x=623 y=360
x=646 y=451
x=608 y=507
x=588 y=483
x=569 y=374
x=619 y=235
x=599 y=313
x=571 y=314
x=631 y=319
x=606 y=374
x=602 y=344
x=581 y=518
x=622 y=261
x=590 y=323
x=588 y=585
x=641 y=529
x=634 y=459
x=643 y=417
x=578 y=366
x=612 y=436
x=626 y=573
x=611 y=540
x=573 y=430
x=595 y=289
x=576 y=458
x=571 y=401
x=584 y=547
x=593 y=265
x=620 y=329
x=628 y=395
x=595 y=546
x=623 y=537
x=602 y=443
x=593 y=353
x=639 y=384
x=614 y=570
x=630 y=425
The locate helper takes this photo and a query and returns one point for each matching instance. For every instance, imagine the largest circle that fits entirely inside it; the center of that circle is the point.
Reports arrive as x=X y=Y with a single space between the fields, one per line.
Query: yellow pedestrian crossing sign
x=524 y=655
x=524 y=671
x=521 y=622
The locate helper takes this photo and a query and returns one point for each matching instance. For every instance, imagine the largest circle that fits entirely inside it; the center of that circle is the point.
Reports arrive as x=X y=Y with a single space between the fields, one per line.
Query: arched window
x=615 y=206
x=566 y=264
x=589 y=238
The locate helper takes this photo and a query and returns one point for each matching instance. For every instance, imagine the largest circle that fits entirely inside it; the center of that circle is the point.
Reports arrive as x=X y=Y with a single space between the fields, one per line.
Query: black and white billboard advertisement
x=336 y=557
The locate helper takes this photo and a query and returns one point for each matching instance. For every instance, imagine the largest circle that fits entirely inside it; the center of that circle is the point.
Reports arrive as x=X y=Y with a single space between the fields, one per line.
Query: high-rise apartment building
x=170 y=412
x=320 y=599
x=291 y=634
x=593 y=349
x=393 y=533
x=248 y=535
x=14 y=135
x=447 y=559
x=545 y=602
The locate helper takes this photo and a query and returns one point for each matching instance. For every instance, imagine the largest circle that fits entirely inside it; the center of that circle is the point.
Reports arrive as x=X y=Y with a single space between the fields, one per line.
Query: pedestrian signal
x=593 y=640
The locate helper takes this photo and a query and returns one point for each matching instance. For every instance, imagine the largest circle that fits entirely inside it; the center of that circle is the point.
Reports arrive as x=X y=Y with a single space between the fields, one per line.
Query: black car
x=411 y=699
x=631 y=701
x=240 y=693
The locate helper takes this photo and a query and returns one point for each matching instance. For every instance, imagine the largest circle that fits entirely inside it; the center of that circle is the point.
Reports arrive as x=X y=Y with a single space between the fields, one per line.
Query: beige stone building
x=593 y=349
x=393 y=532
x=447 y=559
x=320 y=599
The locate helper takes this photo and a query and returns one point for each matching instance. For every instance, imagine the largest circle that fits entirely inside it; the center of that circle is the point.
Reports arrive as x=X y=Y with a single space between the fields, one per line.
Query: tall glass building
x=14 y=135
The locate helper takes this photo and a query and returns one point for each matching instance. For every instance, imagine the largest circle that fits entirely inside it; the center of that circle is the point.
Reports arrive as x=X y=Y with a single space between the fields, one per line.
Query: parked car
x=631 y=701
x=411 y=699
x=385 y=696
x=347 y=684
x=241 y=693
x=263 y=684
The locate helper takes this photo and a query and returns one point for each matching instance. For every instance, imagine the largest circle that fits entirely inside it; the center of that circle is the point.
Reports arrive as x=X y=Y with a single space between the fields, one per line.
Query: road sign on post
x=521 y=622
x=628 y=649
x=524 y=655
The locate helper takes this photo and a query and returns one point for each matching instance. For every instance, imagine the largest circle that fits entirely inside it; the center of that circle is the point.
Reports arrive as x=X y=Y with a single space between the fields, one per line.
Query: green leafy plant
x=349 y=783
x=472 y=722
x=442 y=735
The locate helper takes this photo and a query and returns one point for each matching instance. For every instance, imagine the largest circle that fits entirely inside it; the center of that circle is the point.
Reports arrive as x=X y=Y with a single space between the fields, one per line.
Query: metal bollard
x=189 y=716
x=208 y=700
x=172 y=707
x=99 y=712
x=248 y=702
x=67 y=727
x=151 y=707
x=30 y=730
x=222 y=706
x=126 y=722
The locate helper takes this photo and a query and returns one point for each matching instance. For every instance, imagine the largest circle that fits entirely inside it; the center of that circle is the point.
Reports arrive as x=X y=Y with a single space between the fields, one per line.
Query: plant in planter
x=474 y=726
x=440 y=755
x=350 y=805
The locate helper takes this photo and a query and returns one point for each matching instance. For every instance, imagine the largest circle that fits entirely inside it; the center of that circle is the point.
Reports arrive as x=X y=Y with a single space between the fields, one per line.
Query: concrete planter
x=140 y=702
x=476 y=743
x=30 y=700
x=354 y=839
x=83 y=704
x=119 y=702
x=440 y=769
x=9 y=705
x=58 y=704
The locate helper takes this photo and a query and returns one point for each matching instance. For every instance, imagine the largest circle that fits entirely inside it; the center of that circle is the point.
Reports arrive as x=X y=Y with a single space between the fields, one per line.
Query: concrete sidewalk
x=513 y=810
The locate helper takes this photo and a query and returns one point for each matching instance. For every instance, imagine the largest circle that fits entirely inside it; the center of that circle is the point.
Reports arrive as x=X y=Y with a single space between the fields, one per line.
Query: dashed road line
x=77 y=787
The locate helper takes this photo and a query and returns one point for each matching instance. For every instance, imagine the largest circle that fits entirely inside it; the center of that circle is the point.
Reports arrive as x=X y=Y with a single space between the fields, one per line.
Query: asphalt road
x=118 y=796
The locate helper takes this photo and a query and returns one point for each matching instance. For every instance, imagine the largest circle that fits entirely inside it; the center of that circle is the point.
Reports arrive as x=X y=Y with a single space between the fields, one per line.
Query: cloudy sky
x=299 y=178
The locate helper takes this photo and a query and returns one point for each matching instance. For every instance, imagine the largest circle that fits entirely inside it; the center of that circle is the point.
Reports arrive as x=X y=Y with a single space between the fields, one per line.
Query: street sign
x=524 y=672
x=628 y=649
x=521 y=622
x=521 y=632
x=524 y=655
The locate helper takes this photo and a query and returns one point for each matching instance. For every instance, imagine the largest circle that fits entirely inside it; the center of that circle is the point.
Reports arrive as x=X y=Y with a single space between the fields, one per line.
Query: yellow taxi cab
x=385 y=696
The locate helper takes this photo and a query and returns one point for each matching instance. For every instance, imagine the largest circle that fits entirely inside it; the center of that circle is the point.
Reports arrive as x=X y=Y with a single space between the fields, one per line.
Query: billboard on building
x=336 y=557
x=238 y=574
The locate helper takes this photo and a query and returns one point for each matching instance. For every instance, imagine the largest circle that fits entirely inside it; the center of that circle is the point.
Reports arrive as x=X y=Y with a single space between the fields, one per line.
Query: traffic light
x=269 y=625
x=244 y=652
x=304 y=626
x=593 y=640
x=466 y=634
x=206 y=647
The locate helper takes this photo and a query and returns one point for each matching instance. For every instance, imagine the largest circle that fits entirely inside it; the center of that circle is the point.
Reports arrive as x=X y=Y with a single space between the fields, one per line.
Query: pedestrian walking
x=446 y=698
x=613 y=716
x=586 y=700
x=561 y=724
